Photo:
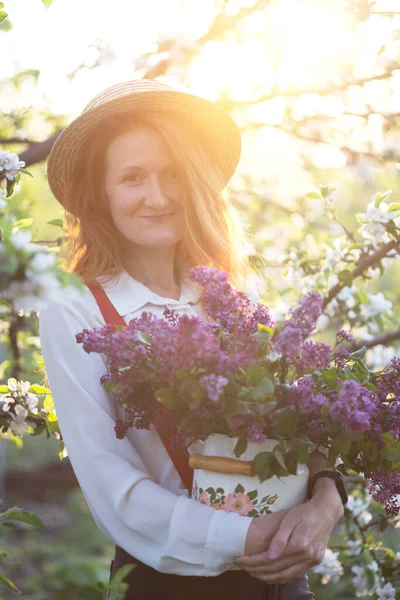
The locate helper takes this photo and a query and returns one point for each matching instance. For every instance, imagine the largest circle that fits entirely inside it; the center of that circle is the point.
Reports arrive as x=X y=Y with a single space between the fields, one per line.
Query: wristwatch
x=336 y=476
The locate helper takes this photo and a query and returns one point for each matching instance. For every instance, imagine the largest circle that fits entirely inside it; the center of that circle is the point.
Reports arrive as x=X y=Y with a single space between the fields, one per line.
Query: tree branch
x=322 y=91
x=362 y=266
x=381 y=339
x=38 y=151
x=15 y=140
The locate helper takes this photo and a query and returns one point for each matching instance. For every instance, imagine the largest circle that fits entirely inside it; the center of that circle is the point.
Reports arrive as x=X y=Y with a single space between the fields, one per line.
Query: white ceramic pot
x=240 y=493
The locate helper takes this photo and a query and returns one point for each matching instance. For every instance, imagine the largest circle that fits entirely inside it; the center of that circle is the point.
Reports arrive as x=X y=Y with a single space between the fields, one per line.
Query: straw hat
x=211 y=124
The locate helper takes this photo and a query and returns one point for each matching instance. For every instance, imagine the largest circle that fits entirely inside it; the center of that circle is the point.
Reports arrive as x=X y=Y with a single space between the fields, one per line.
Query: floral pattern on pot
x=241 y=502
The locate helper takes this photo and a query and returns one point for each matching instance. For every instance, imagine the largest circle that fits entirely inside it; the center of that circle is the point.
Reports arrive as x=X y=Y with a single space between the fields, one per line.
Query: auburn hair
x=213 y=233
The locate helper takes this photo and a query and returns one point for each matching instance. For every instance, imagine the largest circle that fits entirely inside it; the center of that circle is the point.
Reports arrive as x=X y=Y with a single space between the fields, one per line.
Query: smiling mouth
x=164 y=216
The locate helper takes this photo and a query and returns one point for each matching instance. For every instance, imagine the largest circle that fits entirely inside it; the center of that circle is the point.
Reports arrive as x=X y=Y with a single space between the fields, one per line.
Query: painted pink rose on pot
x=238 y=503
x=204 y=498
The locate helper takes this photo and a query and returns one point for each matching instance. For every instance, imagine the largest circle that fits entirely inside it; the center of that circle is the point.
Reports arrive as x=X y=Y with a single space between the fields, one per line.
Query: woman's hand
x=299 y=542
x=262 y=531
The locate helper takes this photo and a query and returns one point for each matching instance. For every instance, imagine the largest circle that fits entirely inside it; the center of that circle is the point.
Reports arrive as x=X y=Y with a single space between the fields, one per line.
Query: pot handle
x=221 y=464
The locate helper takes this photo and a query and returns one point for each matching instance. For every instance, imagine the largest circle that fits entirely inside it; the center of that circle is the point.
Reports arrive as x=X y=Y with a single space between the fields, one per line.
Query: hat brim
x=213 y=126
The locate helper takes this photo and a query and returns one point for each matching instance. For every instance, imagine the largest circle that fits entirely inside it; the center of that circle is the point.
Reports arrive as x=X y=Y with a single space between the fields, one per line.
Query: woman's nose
x=156 y=195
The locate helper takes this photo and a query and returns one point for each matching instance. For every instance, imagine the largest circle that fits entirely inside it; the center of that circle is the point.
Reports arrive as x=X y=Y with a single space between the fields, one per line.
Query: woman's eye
x=172 y=174
x=135 y=177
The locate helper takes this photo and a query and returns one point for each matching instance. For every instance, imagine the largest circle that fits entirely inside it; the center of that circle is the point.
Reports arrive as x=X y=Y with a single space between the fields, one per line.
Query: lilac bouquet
x=245 y=376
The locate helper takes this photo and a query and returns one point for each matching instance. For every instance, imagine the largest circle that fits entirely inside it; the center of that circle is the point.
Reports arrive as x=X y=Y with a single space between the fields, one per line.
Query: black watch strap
x=338 y=479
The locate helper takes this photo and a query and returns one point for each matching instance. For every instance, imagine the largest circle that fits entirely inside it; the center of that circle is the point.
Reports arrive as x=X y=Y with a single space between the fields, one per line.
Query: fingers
x=281 y=538
x=272 y=567
x=284 y=576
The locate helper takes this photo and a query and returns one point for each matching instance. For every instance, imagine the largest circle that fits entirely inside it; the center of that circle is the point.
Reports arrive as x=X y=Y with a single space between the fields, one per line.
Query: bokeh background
x=315 y=88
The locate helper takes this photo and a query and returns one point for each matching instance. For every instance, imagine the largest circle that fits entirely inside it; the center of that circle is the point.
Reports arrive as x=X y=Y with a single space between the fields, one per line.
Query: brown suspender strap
x=178 y=456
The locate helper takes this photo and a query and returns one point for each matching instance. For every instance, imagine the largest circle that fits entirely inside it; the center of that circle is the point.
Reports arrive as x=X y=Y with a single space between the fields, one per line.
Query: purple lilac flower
x=388 y=382
x=213 y=385
x=340 y=357
x=302 y=395
x=385 y=488
x=313 y=356
x=237 y=422
x=355 y=407
x=255 y=433
x=231 y=307
x=288 y=342
x=306 y=313
x=344 y=335
x=189 y=343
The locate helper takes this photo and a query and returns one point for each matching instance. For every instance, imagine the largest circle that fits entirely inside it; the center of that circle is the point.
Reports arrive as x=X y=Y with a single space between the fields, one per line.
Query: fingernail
x=273 y=553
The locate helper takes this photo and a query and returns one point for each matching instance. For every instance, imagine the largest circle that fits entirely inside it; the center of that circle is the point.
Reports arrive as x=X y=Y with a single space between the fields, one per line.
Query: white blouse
x=132 y=488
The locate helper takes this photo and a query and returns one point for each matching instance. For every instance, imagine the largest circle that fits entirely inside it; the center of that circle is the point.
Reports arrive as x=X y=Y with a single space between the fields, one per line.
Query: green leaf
x=3 y=578
x=382 y=196
x=301 y=452
x=263 y=391
x=145 y=338
x=253 y=494
x=118 y=581
x=279 y=457
x=3 y=15
x=47 y=3
x=239 y=489
x=38 y=389
x=360 y=353
x=169 y=398
x=18 y=514
x=240 y=446
x=316 y=195
x=286 y=425
x=345 y=277
x=263 y=465
x=392 y=449
x=264 y=330
x=26 y=172
x=112 y=387
x=255 y=373
x=4 y=389
x=394 y=206
x=56 y=222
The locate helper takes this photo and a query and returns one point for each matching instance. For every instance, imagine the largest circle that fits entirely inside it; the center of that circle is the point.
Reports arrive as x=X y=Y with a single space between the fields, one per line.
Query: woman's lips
x=159 y=217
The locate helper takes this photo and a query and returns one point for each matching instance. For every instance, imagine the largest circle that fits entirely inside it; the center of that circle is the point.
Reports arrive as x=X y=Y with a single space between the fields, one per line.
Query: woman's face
x=144 y=188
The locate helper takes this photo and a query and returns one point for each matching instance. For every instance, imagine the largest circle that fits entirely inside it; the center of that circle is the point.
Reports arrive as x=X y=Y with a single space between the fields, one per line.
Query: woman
x=140 y=174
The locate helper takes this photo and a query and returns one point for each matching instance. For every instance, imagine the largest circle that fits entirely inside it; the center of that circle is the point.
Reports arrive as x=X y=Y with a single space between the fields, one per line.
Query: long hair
x=213 y=233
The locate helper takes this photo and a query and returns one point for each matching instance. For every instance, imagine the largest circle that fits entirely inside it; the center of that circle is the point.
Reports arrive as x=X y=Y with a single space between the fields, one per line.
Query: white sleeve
x=171 y=533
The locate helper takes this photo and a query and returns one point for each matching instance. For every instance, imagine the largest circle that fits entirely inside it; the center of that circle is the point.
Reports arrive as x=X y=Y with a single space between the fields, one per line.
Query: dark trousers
x=145 y=583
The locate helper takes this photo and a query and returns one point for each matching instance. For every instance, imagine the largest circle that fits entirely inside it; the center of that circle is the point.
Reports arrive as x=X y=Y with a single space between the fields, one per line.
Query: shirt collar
x=129 y=295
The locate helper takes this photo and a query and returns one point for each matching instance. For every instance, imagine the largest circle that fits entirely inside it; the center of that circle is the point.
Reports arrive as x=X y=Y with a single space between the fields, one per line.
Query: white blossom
x=377 y=305
x=360 y=581
x=375 y=232
x=332 y=280
x=358 y=508
x=31 y=294
x=40 y=262
x=3 y=201
x=354 y=547
x=330 y=568
x=8 y=400
x=18 y=424
x=322 y=323
x=19 y=396
x=346 y=294
x=21 y=240
x=379 y=356
x=377 y=214
x=387 y=592
x=10 y=163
